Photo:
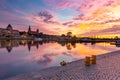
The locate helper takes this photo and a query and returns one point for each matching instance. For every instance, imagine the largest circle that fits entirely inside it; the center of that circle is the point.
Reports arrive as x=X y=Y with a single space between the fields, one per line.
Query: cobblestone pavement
x=107 y=68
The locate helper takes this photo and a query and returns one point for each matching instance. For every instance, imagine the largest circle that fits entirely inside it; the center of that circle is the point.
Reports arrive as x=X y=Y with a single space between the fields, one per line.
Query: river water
x=21 y=56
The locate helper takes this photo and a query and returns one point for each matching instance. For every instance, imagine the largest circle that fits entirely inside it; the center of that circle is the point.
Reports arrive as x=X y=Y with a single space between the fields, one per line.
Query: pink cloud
x=68 y=23
x=87 y=7
x=62 y=4
x=71 y=24
x=79 y=17
x=113 y=30
x=20 y=12
x=47 y=17
x=111 y=21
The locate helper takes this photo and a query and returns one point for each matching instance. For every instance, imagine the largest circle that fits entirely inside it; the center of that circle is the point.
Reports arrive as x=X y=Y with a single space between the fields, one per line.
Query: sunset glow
x=81 y=17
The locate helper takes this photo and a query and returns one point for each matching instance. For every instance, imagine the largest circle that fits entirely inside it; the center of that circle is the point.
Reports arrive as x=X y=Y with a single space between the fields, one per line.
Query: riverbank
x=107 y=68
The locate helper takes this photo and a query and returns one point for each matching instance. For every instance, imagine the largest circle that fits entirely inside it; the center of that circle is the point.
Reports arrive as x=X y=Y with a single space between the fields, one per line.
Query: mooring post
x=93 y=59
x=87 y=61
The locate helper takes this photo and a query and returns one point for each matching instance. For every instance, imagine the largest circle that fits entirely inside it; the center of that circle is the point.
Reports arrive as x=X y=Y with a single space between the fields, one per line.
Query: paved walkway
x=107 y=68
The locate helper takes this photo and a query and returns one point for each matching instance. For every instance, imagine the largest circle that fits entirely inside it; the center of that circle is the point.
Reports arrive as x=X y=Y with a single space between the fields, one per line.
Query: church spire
x=37 y=30
x=29 y=29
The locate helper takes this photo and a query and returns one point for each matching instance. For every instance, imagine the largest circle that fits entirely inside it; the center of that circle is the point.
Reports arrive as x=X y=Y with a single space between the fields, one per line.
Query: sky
x=81 y=17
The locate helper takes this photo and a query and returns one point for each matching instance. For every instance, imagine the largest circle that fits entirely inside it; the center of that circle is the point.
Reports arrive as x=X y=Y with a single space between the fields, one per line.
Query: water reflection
x=46 y=59
x=9 y=44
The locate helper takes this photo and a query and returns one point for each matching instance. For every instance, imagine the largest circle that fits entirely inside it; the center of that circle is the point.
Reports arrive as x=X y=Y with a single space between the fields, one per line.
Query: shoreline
x=76 y=70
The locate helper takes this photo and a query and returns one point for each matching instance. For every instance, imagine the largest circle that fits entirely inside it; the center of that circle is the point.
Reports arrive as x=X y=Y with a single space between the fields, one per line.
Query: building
x=34 y=33
x=9 y=32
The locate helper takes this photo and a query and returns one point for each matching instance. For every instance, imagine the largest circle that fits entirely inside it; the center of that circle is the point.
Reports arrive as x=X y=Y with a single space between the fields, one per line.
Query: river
x=21 y=56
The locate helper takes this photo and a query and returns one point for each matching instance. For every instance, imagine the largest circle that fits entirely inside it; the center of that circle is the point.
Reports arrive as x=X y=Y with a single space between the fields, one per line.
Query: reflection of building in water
x=29 y=45
x=8 y=44
x=9 y=32
x=32 y=43
x=9 y=48
x=23 y=42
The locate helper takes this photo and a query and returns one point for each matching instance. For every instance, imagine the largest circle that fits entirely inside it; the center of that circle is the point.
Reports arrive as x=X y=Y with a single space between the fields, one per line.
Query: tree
x=74 y=36
x=69 y=34
x=63 y=35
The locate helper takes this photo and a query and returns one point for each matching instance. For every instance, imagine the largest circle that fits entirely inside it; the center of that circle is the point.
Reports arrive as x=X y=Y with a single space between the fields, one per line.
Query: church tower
x=29 y=29
x=37 y=30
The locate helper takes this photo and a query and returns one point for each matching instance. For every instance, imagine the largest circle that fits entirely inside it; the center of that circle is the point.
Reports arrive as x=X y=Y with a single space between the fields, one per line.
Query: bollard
x=93 y=59
x=87 y=61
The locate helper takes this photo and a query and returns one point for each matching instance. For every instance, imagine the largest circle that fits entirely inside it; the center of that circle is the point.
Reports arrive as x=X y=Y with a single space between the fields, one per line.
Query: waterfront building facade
x=9 y=32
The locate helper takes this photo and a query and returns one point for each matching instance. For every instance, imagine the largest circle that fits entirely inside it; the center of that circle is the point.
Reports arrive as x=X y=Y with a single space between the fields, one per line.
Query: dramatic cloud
x=65 y=15
x=113 y=30
x=111 y=21
x=47 y=17
x=79 y=17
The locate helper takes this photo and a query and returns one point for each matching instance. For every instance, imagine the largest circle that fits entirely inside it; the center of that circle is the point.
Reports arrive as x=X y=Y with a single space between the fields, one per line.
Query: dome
x=9 y=27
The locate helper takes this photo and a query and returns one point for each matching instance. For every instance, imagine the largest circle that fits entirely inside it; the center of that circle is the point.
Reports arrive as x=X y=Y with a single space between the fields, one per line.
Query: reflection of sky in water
x=21 y=60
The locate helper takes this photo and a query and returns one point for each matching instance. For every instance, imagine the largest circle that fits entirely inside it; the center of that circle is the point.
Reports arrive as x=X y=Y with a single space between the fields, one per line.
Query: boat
x=117 y=43
x=38 y=39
